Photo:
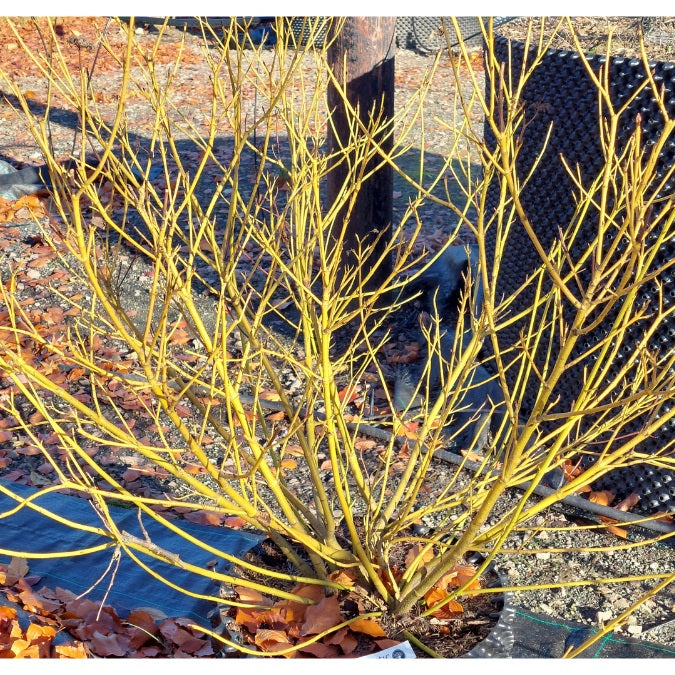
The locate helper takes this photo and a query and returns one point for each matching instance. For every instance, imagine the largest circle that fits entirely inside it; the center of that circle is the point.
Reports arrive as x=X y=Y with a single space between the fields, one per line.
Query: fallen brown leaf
x=294 y=450
x=76 y=651
x=344 y=639
x=415 y=551
x=367 y=626
x=272 y=640
x=320 y=650
x=629 y=502
x=142 y=628
x=406 y=429
x=323 y=615
x=269 y=395
x=365 y=444
x=109 y=645
x=471 y=455
x=602 y=497
x=348 y=394
x=205 y=517
x=22 y=649
x=252 y=596
x=17 y=568
x=345 y=577
x=450 y=609
x=234 y=522
x=618 y=531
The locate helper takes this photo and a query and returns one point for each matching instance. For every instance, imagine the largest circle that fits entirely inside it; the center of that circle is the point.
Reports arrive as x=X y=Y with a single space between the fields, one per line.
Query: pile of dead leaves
x=78 y=40
x=36 y=642
x=438 y=594
x=24 y=208
x=332 y=626
x=294 y=629
x=97 y=629
x=336 y=625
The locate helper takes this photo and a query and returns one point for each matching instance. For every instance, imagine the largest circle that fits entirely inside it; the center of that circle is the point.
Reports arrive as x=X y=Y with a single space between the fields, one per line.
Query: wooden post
x=364 y=53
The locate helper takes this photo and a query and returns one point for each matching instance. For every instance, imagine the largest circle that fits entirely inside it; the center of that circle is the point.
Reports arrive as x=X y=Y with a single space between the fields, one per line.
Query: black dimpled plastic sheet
x=560 y=93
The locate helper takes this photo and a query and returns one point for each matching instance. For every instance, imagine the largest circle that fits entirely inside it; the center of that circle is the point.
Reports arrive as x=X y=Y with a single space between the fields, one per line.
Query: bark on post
x=366 y=47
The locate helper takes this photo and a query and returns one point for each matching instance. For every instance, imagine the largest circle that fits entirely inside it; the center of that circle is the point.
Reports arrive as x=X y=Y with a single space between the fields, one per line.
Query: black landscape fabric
x=541 y=636
x=24 y=529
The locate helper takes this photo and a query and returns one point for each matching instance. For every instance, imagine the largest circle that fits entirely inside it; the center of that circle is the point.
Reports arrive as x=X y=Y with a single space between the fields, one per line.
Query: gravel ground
x=594 y=604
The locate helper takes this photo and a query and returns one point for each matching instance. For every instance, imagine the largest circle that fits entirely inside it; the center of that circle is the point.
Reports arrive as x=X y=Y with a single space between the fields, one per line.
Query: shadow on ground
x=434 y=217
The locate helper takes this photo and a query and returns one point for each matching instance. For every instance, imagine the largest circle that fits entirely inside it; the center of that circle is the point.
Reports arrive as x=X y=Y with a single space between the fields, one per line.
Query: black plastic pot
x=561 y=93
x=424 y=33
x=499 y=643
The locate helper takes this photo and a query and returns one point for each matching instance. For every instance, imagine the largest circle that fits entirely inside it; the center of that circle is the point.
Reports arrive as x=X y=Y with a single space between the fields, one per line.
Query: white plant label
x=400 y=651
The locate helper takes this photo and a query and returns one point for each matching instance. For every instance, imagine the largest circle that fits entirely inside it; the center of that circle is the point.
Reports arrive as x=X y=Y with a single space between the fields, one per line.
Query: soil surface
x=593 y=34
x=40 y=274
